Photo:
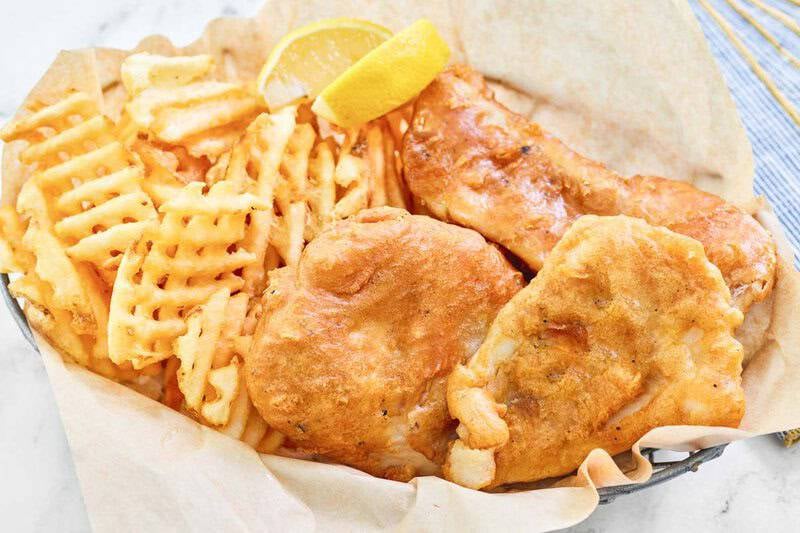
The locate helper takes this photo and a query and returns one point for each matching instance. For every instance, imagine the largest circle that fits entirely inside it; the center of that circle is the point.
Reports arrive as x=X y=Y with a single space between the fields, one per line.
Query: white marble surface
x=754 y=486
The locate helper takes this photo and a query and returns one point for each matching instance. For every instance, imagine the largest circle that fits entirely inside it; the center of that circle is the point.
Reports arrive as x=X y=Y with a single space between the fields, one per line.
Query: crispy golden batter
x=627 y=327
x=352 y=354
x=475 y=163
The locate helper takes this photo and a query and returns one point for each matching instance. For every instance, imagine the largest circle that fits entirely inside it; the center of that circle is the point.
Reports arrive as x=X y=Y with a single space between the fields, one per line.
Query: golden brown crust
x=627 y=327
x=351 y=356
x=475 y=163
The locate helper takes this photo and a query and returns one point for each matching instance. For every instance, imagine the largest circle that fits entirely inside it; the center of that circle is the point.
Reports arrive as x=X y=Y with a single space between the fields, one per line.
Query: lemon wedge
x=386 y=77
x=308 y=59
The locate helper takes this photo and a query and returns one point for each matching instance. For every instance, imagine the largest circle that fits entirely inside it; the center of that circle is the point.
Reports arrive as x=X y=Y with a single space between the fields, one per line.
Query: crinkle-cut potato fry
x=292 y=185
x=385 y=167
x=141 y=380
x=351 y=174
x=322 y=187
x=289 y=224
x=195 y=251
x=216 y=172
x=232 y=330
x=172 y=99
x=398 y=121
x=377 y=164
x=288 y=232
x=132 y=334
x=241 y=411
x=243 y=420
x=397 y=193
x=338 y=182
x=90 y=183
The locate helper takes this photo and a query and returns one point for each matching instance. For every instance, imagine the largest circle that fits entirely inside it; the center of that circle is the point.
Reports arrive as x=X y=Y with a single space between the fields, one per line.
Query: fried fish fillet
x=351 y=357
x=473 y=162
x=627 y=327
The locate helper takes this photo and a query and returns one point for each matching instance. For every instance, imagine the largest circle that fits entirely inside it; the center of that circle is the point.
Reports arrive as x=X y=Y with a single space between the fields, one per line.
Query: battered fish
x=627 y=327
x=473 y=162
x=352 y=355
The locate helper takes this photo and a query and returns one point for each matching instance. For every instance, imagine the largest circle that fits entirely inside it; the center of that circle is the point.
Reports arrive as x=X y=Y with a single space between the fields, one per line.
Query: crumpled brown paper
x=629 y=83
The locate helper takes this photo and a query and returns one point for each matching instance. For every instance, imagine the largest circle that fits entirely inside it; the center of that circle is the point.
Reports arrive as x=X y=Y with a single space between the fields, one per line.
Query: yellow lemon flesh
x=385 y=78
x=308 y=59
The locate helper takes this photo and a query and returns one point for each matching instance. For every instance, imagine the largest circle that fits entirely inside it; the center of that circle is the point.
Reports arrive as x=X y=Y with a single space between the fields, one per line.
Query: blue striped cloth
x=774 y=135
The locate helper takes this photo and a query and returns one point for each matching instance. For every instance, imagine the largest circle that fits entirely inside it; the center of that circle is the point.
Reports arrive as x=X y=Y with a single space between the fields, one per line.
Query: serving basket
x=662 y=470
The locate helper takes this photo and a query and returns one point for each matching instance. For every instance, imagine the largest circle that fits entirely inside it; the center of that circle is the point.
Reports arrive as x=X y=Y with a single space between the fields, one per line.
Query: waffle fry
x=173 y=100
x=48 y=319
x=144 y=245
x=68 y=128
x=89 y=186
x=311 y=182
x=195 y=350
x=254 y=166
x=55 y=324
x=167 y=169
x=75 y=288
x=226 y=384
x=171 y=395
x=14 y=257
x=65 y=300
x=294 y=167
x=232 y=334
x=322 y=194
x=210 y=377
x=244 y=422
x=240 y=413
x=194 y=252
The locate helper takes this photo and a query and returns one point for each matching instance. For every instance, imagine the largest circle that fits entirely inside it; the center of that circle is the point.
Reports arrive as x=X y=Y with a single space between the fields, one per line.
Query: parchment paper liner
x=629 y=83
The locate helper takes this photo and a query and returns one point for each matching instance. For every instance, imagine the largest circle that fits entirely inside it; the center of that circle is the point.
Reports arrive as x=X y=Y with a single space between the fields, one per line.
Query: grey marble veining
x=38 y=487
x=754 y=486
